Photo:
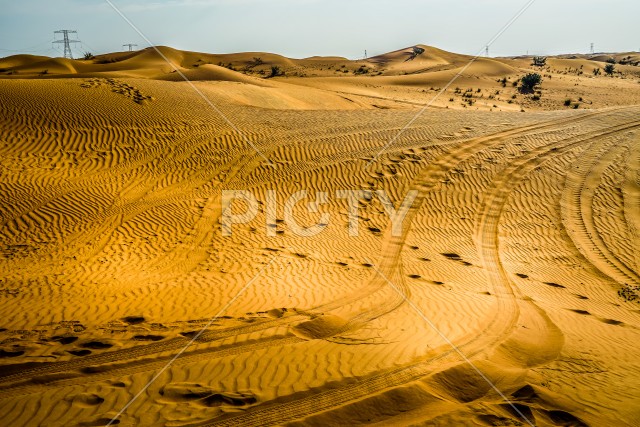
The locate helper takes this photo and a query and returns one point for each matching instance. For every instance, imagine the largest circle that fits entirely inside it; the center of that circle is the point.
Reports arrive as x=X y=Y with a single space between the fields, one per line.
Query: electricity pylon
x=130 y=46
x=67 y=42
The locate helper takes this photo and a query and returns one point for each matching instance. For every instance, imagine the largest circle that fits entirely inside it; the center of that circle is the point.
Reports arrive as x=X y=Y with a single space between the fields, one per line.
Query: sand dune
x=516 y=267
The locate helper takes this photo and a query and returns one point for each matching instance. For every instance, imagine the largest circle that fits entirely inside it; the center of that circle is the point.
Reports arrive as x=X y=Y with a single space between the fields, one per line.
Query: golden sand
x=515 y=278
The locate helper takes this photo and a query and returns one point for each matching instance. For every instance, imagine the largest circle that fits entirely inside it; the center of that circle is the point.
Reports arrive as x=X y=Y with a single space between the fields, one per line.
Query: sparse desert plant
x=611 y=61
x=539 y=61
x=576 y=106
x=536 y=97
x=415 y=52
x=609 y=69
x=529 y=82
x=275 y=71
x=43 y=72
x=106 y=61
x=362 y=70
x=87 y=56
x=567 y=102
x=596 y=71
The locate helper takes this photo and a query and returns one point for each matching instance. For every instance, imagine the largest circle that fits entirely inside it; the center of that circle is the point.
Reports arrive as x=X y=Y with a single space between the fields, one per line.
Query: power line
x=66 y=41
x=29 y=49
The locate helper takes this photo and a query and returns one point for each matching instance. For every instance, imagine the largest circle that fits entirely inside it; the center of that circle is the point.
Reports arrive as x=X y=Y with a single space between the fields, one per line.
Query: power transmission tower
x=592 y=51
x=365 y=54
x=66 y=41
x=486 y=51
x=130 y=46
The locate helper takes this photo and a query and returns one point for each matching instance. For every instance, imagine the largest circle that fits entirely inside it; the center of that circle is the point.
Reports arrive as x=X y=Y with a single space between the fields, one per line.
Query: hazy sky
x=301 y=28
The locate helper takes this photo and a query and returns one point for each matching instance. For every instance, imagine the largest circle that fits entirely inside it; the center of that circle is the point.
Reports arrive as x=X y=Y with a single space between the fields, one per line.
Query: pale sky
x=302 y=28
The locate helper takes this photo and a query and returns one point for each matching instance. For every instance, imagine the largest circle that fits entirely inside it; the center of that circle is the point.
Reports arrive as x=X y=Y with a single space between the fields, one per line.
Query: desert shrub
x=539 y=61
x=43 y=72
x=361 y=70
x=611 y=61
x=87 y=56
x=576 y=106
x=529 y=82
x=596 y=71
x=415 y=52
x=567 y=102
x=536 y=97
x=106 y=61
x=609 y=69
x=275 y=71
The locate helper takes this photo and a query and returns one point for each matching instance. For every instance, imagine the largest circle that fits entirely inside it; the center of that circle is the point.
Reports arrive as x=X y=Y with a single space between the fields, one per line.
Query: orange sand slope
x=517 y=263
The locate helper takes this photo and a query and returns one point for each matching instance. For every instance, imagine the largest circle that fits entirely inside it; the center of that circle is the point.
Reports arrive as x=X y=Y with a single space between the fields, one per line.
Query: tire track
x=390 y=265
x=94 y=373
x=504 y=321
x=576 y=208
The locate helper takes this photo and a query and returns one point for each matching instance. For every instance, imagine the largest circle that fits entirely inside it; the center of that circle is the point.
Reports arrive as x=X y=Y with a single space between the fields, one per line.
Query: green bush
x=529 y=82
x=609 y=69
x=539 y=61
x=275 y=71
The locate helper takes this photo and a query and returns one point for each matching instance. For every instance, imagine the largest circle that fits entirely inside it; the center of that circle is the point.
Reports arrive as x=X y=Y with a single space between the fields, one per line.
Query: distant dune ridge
x=511 y=295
